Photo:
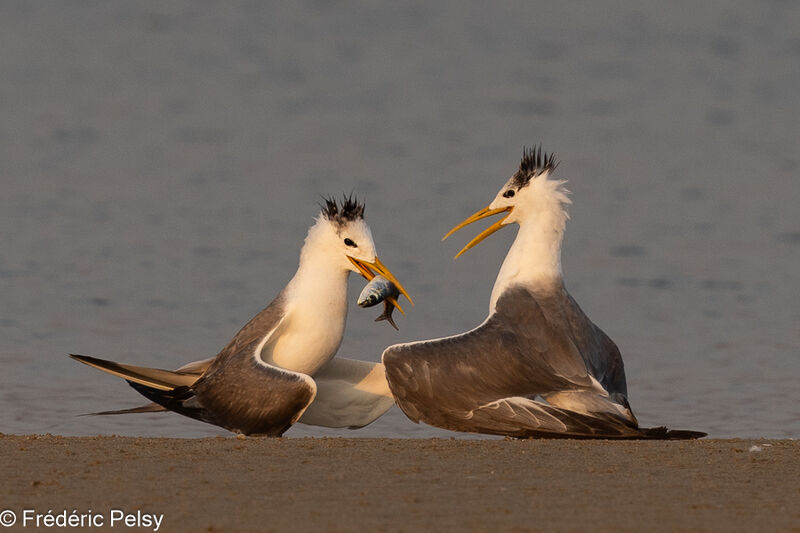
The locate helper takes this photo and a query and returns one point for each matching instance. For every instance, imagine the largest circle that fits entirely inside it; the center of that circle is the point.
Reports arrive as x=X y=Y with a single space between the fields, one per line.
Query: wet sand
x=305 y=484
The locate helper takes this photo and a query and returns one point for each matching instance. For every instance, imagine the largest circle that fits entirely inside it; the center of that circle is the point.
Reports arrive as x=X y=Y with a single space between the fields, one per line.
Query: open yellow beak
x=366 y=269
x=483 y=213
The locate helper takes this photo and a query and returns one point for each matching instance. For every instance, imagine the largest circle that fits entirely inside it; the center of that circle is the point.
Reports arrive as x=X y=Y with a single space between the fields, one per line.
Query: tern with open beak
x=537 y=366
x=280 y=367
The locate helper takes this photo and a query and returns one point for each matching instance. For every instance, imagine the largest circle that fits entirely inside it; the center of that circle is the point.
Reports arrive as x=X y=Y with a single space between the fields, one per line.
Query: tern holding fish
x=537 y=366
x=280 y=367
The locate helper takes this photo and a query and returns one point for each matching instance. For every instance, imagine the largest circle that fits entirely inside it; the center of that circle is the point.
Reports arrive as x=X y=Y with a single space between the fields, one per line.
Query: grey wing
x=524 y=417
x=243 y=396
x=237 y=390
x=600 y=353
x=249 y=396
x=262 y=326
x=466 y=381
x=513 y=353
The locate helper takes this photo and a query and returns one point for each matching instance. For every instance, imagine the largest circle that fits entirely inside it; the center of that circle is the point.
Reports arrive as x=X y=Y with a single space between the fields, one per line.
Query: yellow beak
x=366 y=269
x=483 y=213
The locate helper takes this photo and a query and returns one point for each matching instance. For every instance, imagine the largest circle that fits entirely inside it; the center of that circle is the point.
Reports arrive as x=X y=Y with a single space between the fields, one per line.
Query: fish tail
x=387 y=317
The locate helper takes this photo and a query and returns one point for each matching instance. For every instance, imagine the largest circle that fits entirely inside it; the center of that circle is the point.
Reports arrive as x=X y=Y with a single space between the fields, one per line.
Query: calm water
x=161 y=164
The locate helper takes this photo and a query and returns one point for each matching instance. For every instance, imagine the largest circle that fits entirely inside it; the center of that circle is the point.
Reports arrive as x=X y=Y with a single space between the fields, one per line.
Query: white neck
x=316 y=310
x=534 y=259
x=319 y=279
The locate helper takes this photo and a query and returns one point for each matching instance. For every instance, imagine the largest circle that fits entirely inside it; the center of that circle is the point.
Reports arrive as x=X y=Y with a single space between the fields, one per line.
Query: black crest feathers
x=534 y=163
x=348 y=210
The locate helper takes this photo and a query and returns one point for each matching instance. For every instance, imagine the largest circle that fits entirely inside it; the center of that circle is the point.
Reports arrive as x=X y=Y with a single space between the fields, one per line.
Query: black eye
x=349 y=242
x=509 y=193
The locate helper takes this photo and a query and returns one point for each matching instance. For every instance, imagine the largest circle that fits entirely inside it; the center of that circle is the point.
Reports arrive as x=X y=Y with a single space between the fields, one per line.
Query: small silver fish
x=380 y=290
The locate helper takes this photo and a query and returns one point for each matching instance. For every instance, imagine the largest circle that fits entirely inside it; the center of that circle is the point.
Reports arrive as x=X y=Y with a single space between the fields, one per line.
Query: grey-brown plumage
x=235 y=391
x=243 y=394
x=493 y=379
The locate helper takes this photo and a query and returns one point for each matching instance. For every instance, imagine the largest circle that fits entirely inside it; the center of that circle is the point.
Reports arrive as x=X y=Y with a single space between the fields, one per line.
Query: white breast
x=313 y=326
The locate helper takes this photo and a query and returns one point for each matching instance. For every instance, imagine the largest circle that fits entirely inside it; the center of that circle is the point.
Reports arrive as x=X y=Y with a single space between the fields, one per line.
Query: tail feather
x=149 y=408
x=180 y=400
x=663 y=433
x=168 y=390
x=156 y=378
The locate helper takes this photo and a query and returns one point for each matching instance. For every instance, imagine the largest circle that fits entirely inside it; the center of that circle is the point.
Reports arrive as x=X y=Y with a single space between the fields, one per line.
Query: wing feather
x=235 y=390
x=467 y=382
x=156 y=378
x=241 y=392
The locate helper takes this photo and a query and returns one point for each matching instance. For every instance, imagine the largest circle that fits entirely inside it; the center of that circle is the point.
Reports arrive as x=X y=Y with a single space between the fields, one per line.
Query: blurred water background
x=162 y=161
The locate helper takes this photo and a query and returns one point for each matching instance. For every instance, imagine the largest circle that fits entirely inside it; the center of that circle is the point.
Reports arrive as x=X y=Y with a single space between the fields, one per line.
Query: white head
x=344 y=239
x=529 y=196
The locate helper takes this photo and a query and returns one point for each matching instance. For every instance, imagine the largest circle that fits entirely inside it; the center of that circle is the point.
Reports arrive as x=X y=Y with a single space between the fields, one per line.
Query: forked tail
x=164 y=387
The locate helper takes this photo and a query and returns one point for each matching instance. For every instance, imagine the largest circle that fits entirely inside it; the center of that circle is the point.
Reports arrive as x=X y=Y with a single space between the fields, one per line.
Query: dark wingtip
x=672 y=434
x=149 y=408
x=685 y=434
x=83 y=358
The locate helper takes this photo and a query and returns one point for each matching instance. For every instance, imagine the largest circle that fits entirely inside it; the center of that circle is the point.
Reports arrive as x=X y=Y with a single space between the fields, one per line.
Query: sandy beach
x=338 y=484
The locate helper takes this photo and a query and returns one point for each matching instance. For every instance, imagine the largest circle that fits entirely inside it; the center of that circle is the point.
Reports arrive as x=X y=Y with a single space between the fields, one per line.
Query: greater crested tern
x=280 y=367
x=537 y=366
